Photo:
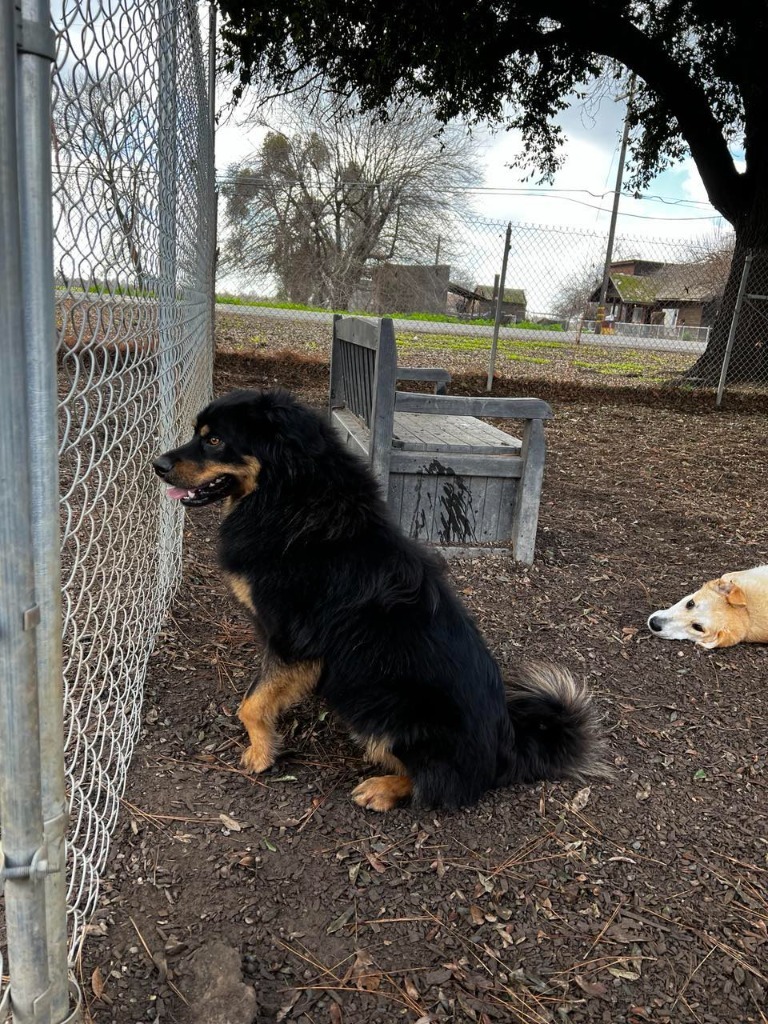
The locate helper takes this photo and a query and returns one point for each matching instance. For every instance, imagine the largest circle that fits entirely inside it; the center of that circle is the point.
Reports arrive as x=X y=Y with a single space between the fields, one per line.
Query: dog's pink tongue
x=176 y=492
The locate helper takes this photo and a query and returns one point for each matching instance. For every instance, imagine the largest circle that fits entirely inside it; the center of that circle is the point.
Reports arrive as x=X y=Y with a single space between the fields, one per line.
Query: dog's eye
x=691 y=604
x=698 y=627
x=213 y=441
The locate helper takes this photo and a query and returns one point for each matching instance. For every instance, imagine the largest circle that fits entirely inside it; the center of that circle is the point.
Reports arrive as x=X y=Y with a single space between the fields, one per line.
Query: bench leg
x=526 y=516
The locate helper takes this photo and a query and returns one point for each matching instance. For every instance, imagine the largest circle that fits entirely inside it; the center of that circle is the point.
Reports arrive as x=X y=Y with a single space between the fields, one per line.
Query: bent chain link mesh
x=747 y=355
x=132 y=208
x=662 y=298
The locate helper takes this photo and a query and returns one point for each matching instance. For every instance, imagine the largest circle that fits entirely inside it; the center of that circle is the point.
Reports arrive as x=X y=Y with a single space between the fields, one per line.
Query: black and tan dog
x=353 y=610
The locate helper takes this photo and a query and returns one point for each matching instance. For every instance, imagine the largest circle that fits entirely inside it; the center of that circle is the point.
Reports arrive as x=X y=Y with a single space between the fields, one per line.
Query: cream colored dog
x=724 y=612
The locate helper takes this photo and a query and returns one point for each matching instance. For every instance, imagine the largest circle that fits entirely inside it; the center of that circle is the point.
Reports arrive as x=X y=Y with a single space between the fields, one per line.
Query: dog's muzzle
x=193 y=497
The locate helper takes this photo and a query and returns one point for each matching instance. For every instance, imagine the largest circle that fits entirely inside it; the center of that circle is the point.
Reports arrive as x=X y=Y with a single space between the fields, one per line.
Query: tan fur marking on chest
x=241 y=589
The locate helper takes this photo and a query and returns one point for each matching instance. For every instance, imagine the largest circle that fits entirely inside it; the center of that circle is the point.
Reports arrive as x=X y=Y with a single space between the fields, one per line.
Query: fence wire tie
x=38 y=867
x=31 y=617
x=35 y=37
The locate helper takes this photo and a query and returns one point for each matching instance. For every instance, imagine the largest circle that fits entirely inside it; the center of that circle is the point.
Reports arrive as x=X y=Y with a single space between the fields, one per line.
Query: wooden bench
x=451 y=479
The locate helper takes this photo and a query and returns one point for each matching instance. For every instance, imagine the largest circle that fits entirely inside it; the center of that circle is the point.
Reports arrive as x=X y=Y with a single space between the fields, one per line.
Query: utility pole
x=499 y=304
x=616 y=195
x=213 y=223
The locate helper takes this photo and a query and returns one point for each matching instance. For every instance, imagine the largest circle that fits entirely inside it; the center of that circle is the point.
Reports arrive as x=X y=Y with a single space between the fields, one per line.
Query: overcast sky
x=674 y=206
x=568 y=220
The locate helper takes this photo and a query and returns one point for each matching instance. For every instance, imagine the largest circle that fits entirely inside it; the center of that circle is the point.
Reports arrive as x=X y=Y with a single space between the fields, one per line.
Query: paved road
x=512 y=333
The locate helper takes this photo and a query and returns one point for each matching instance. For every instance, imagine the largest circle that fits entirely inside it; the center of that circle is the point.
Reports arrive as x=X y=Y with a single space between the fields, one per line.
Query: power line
x=530 y=195
x=512 y=190
x=524 y=192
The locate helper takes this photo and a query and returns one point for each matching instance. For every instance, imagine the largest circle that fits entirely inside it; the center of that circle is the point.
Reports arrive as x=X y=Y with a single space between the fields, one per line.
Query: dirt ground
x=237 y=900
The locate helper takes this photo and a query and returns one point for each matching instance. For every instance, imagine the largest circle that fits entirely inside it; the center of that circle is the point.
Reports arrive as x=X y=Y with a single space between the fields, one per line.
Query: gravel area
x=644 y=899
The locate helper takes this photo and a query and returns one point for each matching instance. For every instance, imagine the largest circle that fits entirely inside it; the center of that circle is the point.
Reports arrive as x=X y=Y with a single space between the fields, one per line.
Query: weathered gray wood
x=358 y=330
x=455 y=518
x=395 y=494
x=441 y=378
x=357 y=364
x=509 y=489
x=383 y=409
x=460 y=405
x=526 y=515
x=427 y=432
x=355 y=433
x=460 y=463
x=450 y=478
x=415 y=505
x=438 y=509
x=336 y=397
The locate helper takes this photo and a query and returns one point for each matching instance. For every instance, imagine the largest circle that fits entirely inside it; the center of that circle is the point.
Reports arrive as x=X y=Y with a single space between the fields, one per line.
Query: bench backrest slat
x=358 y=366
x=363 y=379
x=359 y=331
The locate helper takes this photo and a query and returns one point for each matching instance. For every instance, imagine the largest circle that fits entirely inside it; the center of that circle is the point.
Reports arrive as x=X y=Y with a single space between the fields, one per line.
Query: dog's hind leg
x=278 y=689
x=383 y=792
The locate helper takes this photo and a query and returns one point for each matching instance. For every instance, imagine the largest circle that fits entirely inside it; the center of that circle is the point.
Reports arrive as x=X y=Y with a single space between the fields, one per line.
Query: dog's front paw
x=382 y=792
x=257 y=759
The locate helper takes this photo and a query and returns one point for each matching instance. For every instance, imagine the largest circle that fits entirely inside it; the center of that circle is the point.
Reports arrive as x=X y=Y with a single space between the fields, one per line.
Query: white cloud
x=234 y=143
x=581 y=195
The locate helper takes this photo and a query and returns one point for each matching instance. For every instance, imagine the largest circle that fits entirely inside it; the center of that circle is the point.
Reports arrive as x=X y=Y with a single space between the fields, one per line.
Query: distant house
x=512 y=303
x=481 y=302
x=409 y=288
x=674 y=294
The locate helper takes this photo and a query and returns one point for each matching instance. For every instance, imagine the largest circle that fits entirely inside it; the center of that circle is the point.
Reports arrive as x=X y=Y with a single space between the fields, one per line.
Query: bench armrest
x=441 y=378
x=459 y=405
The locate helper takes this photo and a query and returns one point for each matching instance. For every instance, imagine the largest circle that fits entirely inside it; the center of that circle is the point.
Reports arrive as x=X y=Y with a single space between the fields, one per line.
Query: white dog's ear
x=732 y=593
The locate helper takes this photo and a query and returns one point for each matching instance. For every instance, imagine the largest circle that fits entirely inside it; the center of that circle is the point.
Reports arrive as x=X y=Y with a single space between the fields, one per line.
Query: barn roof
x=513 y=295
x=673 y=282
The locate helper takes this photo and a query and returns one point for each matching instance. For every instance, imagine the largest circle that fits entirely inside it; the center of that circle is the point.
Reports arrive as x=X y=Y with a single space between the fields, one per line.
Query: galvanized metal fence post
x=499 y=305
x=734 y=326
x=24 y=862
x=129 y=368
x=37 y=52
x=213 y=190
x=167 y=157
x=167 y=185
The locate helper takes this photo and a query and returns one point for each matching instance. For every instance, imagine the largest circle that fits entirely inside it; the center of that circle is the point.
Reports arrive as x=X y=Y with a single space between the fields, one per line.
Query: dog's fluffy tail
x=555 y=729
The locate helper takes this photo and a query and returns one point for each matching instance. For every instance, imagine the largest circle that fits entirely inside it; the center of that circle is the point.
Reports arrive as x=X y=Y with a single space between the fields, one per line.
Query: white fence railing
x=681 y=333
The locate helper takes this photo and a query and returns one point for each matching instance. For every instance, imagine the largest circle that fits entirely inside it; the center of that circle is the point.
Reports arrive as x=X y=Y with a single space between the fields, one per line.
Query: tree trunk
x=749 y=355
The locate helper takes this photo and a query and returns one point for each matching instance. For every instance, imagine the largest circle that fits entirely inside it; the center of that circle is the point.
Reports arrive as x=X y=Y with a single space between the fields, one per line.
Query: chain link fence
x=645 y=318
x=130 y=144
x=132 y=203
x=745 y=353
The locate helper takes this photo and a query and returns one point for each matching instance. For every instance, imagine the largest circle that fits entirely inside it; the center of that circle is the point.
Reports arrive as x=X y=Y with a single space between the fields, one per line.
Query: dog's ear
x=295 y=425
x=732 y=592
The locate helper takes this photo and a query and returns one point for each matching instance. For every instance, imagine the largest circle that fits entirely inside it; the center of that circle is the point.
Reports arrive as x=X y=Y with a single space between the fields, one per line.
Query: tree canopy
x=701 y=83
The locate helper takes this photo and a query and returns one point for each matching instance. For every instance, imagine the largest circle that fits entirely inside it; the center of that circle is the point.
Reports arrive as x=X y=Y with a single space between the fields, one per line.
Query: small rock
x=217 y=993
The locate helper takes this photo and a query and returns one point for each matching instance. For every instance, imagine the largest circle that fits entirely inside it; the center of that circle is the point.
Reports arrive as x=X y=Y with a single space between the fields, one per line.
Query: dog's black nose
x=656 y=624
x=163 y=465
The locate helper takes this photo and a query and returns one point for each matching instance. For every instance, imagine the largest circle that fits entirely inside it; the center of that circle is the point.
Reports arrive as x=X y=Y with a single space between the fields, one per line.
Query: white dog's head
x=715 y=616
